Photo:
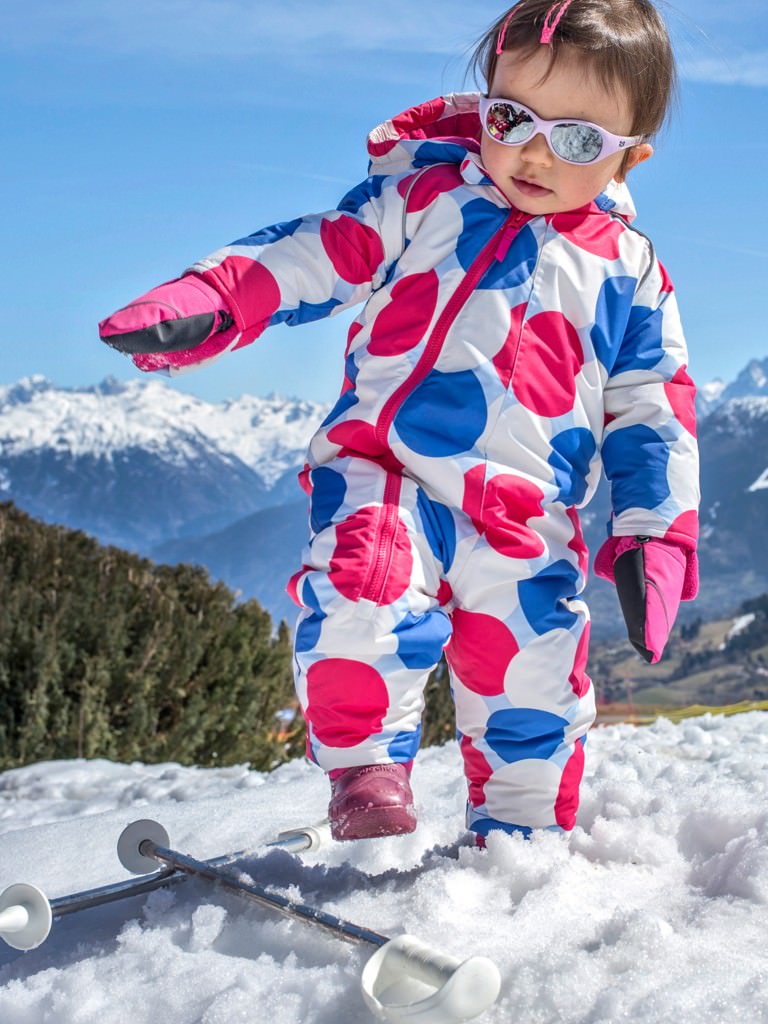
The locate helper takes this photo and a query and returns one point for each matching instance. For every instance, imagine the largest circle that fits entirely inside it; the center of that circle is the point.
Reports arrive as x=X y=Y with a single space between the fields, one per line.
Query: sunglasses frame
x=610 y=143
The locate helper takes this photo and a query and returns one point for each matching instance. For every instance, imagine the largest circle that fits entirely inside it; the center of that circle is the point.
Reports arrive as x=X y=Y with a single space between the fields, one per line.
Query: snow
x=656 y=910
x=269 y=434
x=711 y=390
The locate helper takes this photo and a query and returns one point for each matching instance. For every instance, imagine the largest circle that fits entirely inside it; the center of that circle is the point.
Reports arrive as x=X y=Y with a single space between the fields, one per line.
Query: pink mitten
x=168 y=325
x=651 y=577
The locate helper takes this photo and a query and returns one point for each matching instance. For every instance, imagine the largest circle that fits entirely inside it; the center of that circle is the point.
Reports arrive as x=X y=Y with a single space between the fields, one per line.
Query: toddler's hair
x=624 y=42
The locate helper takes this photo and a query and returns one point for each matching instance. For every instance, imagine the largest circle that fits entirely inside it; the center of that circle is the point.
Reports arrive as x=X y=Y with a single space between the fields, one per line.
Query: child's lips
x=531 y=188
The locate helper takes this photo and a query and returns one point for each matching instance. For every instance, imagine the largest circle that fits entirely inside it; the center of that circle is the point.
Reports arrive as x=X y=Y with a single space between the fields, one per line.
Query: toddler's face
x=530 y=175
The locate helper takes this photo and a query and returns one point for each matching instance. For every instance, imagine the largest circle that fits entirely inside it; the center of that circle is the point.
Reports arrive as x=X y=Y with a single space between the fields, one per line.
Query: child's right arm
x=291 y=273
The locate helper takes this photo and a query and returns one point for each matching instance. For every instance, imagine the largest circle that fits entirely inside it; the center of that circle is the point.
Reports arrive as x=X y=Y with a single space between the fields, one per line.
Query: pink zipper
x=501 y=240
x=386 y=529
x=386 y=525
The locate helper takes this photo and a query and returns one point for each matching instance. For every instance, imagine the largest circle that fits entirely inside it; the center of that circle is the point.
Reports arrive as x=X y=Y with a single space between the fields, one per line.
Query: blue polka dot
x=362 y=193
x=309 y=598
x=614 y=303
x=328 y=490
x=485 y=825
x=308 y=630
x=481 y=220
x=519 y=734
x=308 y=633
x=642 y=346
x=345 y=401
x=404 y=746
x=572 y=451
x=421 y=638
x=635 y=460
x=518 y=264
x=351 y=369
x=439 y=528
x=541 y=597
x=444 y=415
x=273 y=233
x=438 y=153
x=305 y=313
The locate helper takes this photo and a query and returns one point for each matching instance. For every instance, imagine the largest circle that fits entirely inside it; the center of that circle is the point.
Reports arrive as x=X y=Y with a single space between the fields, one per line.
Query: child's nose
x=537 y=150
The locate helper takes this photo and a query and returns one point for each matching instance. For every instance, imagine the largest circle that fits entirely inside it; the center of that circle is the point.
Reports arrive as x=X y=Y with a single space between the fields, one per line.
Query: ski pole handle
x=463 y=989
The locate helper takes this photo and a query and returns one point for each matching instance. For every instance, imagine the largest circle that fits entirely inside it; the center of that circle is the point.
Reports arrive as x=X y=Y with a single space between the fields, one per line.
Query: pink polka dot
x=477 y=771
x=381 y=148
x=429 y=185
x=368 y=563
x=358 y=437
x=597 y=235
x=666 y=283
x=504 y=360
x=681 y=396
x=501 y=508
x=354 y=329
x=355 y=250
x=510 y=501
x=578 y=678
x=576 y=543
x=480 y=651
x=405 y=320
x=292 y=587
x=550 y=358
x=567 y=802
x=685 y=527
x=346 y=701
x=474 y=483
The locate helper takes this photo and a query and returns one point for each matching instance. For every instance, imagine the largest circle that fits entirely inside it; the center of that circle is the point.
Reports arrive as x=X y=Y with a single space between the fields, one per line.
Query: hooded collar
x=447 y=130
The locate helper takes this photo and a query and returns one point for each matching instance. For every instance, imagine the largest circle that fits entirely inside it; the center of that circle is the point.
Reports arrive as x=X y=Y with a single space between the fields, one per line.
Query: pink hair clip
x=503 y=32
x=549 y=25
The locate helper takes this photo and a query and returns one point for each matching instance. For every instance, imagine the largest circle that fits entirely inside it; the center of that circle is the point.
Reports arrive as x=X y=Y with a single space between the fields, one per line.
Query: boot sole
x=373 y=823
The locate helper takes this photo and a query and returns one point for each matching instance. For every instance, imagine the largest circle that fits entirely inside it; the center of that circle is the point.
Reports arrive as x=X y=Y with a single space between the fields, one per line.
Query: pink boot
x=371 y=800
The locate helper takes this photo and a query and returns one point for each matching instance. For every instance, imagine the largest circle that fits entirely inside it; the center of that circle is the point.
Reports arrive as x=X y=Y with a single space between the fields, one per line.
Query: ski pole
x=26 y=914
x=462 y=990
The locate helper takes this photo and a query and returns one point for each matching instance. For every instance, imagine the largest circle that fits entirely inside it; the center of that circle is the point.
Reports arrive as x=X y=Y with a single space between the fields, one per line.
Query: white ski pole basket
x=25 y=916
x=407 y=981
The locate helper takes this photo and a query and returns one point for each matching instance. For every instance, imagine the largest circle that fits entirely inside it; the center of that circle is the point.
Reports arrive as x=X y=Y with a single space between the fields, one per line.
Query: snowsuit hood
x=447 y=130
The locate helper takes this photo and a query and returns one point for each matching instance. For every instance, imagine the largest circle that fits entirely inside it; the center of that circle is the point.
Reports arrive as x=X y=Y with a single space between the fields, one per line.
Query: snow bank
x=656 y=910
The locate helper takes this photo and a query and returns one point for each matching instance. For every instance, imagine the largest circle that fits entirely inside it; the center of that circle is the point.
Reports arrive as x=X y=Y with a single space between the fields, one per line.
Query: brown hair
x=625 y=43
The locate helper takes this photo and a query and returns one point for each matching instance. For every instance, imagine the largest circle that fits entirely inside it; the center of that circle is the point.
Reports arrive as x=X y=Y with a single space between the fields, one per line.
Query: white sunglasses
x=575 y=142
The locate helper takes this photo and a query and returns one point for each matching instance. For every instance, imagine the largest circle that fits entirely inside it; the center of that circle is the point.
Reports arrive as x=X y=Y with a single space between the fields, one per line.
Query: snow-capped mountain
x=145 y=466
x=137 y=463
x=752 y=382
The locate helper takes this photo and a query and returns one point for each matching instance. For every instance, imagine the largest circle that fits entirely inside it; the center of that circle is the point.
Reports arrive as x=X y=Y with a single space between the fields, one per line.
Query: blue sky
x=140 y=136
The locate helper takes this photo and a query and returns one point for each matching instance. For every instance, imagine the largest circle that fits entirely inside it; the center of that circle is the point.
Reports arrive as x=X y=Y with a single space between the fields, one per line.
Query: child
x=517 y=332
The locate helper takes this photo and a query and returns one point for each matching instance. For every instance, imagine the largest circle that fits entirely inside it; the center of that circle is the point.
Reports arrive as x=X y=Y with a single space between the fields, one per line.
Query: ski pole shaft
x=459 y=991
x=24 y=909
x=258 y=894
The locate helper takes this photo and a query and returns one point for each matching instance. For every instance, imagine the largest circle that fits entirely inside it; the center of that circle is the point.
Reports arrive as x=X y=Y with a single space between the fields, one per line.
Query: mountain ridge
x=143 y=466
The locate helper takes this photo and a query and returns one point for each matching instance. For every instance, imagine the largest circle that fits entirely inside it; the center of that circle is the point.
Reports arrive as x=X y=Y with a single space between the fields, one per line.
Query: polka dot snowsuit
x=498 y=360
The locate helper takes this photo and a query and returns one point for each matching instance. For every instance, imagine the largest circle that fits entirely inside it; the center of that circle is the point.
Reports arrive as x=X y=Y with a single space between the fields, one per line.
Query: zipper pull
x=515 y=221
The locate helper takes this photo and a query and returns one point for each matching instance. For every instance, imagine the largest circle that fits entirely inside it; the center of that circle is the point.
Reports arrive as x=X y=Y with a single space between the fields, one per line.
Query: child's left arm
x=650 y=457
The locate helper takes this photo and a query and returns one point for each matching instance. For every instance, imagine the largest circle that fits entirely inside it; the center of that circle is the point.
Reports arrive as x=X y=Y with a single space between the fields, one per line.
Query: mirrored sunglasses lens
x=576 y=143
x=507 y=123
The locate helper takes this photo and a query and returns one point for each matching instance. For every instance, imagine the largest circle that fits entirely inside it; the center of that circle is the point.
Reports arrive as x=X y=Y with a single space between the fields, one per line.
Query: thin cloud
x=749 y=69
x=237 y=28
x=294 y=33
